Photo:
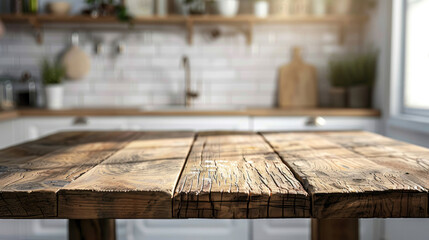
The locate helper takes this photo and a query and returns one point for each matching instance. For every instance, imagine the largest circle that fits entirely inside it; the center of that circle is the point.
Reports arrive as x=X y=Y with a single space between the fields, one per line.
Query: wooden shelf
x=38 y=21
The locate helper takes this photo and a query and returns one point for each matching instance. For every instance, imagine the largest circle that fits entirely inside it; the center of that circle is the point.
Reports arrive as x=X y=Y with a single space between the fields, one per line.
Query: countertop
x=263 y=112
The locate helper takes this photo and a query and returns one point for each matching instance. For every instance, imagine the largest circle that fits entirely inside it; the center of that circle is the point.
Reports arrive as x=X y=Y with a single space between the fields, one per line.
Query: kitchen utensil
x=261 y=8
x=6 y=93
x=76 y=62
x=28 y=91
x=297 y=83
x=227 y=8
x=59 y=8
x=140 y=8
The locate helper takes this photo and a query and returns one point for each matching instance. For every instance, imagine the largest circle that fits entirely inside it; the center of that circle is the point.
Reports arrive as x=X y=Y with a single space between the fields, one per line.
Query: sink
x=179 y=108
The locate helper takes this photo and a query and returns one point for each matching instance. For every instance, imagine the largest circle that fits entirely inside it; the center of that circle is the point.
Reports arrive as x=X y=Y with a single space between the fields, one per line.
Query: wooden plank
x=32 y=173
x=137 y=182
x=357 y=174
x=237 y=175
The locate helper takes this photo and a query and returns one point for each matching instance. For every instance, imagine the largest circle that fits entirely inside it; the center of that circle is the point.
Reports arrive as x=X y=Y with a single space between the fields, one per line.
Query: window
x=415 y=95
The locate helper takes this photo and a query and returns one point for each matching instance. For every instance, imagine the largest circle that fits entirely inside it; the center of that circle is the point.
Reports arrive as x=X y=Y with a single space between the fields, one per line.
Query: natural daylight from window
x=416 y=77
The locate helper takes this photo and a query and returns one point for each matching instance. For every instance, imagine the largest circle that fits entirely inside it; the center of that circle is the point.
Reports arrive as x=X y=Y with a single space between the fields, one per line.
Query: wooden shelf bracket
x=37 y=27
x=190 y=31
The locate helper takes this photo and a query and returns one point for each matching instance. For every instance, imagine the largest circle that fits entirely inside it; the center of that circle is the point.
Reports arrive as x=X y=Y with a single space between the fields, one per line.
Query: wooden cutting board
x=76 y=62
x=297 y=85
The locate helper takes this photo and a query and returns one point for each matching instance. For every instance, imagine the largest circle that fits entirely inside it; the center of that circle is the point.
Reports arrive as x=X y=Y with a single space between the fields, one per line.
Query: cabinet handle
x=315 y=122
x=80 y=121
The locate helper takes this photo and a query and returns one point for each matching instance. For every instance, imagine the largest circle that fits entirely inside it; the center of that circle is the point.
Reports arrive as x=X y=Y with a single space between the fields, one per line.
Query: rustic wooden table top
x=91 y=175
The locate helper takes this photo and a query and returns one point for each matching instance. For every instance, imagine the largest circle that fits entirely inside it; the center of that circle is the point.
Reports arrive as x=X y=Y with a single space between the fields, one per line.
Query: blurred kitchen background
x=263 y=65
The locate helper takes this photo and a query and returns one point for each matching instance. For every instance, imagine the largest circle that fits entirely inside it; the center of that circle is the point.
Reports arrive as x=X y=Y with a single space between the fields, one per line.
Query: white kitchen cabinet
x=187 y=229
x=33 y=229
x=281 y=229
x=33 y=128
x=7 y=134
x=307 y=123
x=191 y=123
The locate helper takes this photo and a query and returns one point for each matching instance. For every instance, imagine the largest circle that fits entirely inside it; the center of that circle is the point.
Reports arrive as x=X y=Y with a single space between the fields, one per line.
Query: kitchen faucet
x=189 y=94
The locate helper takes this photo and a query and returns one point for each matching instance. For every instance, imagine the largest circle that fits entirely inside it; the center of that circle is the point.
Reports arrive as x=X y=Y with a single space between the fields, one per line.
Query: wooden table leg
x=334 y=229
x=92 y=229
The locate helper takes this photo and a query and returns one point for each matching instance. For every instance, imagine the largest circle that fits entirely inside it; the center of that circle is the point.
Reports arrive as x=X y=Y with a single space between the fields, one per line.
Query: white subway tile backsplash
x=137 y=100
x=76 y=87
x=219 y=74
x=225 y=71
x=101 y=101
x=234 y=87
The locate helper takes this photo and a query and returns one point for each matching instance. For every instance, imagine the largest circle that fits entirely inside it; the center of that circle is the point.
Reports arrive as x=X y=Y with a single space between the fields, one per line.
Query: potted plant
x=352 y=79
x=362 y=70
x=339 y=83
x=52 y=75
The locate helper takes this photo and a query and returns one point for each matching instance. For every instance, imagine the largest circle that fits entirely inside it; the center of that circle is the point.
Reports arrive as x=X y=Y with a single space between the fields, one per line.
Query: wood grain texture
x=357 y=174
x=136 y=182
x=99 y=175
x=237 y=175
x=32 y=173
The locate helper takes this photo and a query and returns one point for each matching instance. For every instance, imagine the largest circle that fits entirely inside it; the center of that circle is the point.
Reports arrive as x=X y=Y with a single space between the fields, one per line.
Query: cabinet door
x=281 y=229
x=187 y=229
x=194 y=123
x=310 y=124
x=33 y=128
x=33 y=229
x=7 y=130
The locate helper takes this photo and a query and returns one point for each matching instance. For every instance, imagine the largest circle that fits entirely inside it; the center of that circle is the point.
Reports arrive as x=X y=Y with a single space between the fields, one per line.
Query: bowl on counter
x=59 y=8
x=227 y=8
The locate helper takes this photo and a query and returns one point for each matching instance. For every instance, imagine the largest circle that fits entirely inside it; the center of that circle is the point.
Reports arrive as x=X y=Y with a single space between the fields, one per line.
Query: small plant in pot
x=339 y=83
x=362 y=71
x=52 y=76
x=352 y=79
